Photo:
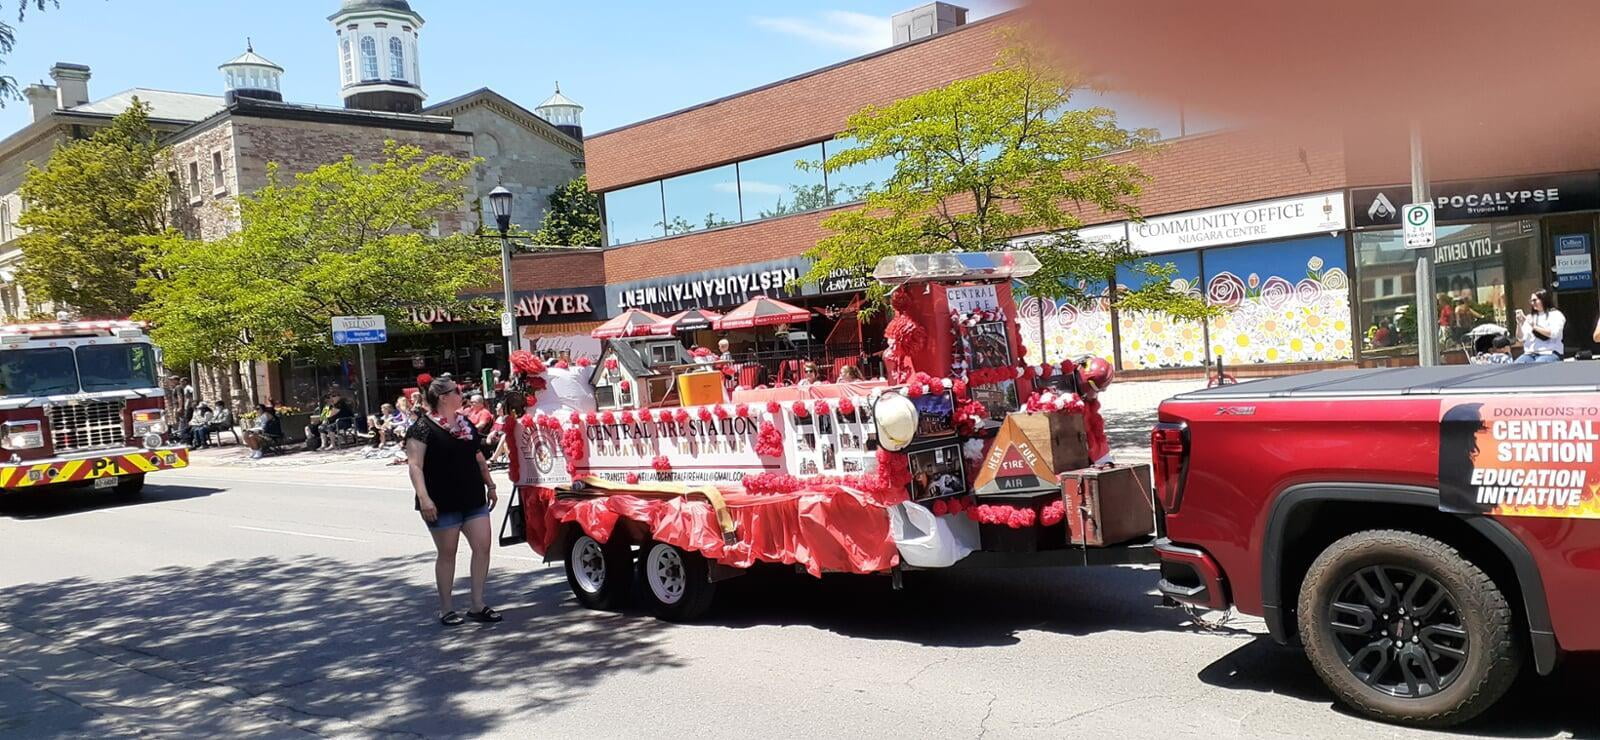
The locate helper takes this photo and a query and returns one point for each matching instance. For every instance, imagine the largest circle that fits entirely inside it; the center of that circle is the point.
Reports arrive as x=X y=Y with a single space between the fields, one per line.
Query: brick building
x=1280 y=226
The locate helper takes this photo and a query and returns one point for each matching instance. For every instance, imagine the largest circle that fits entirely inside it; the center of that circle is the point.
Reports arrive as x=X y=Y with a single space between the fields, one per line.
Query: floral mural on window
x=1058 y=330
x=1154 y=340
x=1286 y=301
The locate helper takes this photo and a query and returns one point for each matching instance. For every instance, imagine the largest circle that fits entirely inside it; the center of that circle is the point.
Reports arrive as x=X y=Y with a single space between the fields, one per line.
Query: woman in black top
x=454 y=493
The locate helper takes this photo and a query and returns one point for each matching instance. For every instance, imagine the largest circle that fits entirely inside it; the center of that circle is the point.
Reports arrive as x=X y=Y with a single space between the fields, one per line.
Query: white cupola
x=378 y=66
x=251 y=75
x=562 y=112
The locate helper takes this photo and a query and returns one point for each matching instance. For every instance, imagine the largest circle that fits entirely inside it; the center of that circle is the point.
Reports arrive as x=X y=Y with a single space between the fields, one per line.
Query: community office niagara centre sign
x=1249 y=222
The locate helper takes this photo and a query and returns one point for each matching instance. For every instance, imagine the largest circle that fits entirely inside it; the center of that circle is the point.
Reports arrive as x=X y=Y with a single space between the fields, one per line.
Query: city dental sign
x=1250 y=222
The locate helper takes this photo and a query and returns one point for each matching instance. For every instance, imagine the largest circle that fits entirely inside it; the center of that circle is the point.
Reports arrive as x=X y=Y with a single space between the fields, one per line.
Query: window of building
x=1287 y=301
x=773 y=186
x=397 y=59
x=5 y=221
x=850 y=184
x=194 y=180
x=217 y=181
x=701 y=200
x=634 y=214
x=346 y=67
x=416 y=68
x=369 y=58
x=1154 y=340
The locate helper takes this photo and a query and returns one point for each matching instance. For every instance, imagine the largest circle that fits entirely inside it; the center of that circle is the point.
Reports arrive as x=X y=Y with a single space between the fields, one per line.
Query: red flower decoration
x=940 y=508
x=633 y=479
x=524 y=363
x=625 y=386
x=591 y=418
x=562 y=365
x=423 y=380
x=664 y=415
x=527 y=422
x=772 y=483
x=585 y=362
x=721 y=411
x=704 y=413
x=799 y=409
x=537 y=384
x=1053 y=514
x=572 y=445
x=914 y=390
x=773 y=408
x=661 y=464
x=627 y=417
x=608 y=418
x=769 y=441
x=575 y=419
x=743 y=410
x=611 y=363
x=681 y=415
x=822 y=408
x=846 y=406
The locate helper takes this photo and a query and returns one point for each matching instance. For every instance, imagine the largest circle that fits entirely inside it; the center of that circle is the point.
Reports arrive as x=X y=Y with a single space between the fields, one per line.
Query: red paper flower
x=822 y=408
x=574 y=418
x=608 y=418
x=572 y=445
x=627 y=417
x=681 y=415
x=537 y=384
x=423 y=380
x=591 y=418
x=769 y=441
x=1053 y=514
x=940 y=508
x=773 y=408
x=625 y=386
x=772 y=483
x=664 y=415
x=633 y=479
x=914 y=390
x=846 y=406
x=585 y=362
x=720 y=410
x=742 y=410
x=525 y=363
x=799 y=409
x=661 y=464
x=527 y=422
x=704 y=413
x=562 y=365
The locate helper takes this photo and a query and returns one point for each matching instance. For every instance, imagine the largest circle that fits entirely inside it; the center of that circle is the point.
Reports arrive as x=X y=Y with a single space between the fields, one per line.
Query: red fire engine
x=81 y=405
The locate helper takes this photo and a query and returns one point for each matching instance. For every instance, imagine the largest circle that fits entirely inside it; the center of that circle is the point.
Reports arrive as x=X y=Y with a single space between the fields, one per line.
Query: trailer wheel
x=130 y=486
x=677 y=582
x=1404 y=629
x=598 y=574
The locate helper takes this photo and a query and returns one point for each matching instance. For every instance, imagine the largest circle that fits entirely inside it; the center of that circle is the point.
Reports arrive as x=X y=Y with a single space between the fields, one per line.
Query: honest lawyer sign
x=1519 y=458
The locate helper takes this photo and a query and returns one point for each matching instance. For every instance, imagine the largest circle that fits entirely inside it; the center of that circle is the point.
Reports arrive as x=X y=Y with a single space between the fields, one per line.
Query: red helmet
x=1097 y=372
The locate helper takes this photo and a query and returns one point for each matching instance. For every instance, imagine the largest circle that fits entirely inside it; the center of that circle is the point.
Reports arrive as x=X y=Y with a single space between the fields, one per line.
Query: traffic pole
x=1427 y=311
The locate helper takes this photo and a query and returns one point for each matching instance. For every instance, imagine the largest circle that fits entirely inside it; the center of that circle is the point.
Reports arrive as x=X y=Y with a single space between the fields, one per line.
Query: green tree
x=986 y=158
x=344 y=239
x=91 y=214
x=8 y=41
x=804 y=198
x=573 y=219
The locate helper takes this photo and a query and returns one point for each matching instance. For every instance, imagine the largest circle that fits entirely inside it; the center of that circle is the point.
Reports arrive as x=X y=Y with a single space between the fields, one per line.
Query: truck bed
x=1553 y=377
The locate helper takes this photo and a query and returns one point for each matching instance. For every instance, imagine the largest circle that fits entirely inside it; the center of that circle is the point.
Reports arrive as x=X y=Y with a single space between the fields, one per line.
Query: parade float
x=963 y=454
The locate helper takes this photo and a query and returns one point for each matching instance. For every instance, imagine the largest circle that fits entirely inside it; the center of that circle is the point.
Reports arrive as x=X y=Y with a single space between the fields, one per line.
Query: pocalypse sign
x=1519 y=458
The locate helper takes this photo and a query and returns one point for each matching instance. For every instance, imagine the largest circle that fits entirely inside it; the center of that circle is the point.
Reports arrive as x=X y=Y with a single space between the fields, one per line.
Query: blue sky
x=624 y=60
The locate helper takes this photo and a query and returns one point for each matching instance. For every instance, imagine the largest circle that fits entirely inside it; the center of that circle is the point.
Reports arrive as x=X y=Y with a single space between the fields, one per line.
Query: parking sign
x=1418 y=221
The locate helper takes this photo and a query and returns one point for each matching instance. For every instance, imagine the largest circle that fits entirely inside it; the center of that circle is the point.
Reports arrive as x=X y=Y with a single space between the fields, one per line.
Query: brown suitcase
x=1108 y=506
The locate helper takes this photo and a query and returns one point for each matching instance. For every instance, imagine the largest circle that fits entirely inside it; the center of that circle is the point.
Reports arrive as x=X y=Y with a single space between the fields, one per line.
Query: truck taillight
x=1169 y=449
x=22 y=435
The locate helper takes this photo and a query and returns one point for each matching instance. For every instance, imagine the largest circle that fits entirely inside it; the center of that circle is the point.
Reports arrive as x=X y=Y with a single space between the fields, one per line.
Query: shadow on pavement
x=950 y=608
x=43 y=504
x=317 y=641
x=1537 y=706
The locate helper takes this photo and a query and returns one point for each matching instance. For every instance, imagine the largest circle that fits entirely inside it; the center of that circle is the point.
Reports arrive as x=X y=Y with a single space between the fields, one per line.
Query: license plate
x=109 y=481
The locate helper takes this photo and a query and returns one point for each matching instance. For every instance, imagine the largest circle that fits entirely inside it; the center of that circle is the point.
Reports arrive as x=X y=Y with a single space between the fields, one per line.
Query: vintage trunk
x=1107 y=506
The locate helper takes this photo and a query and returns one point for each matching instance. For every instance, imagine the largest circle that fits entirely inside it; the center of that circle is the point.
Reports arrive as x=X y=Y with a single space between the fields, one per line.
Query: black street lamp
x=500 y=201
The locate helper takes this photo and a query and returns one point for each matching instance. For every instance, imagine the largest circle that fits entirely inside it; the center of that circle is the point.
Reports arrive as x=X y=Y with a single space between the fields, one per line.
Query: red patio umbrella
x=762 y=311
x=693 y=319
x=631 y=323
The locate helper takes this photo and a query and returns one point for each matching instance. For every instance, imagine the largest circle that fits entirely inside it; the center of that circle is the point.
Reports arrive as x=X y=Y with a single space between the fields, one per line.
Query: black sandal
x=487 y=614
x=451 y=619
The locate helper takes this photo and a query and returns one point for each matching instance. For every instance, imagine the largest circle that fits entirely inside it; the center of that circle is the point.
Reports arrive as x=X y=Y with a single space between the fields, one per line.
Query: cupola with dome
x=251 y=75
x=378 y=66
x=562 y=112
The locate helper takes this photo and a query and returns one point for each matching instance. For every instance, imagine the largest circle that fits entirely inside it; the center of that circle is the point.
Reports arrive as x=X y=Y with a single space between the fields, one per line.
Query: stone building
x=222 y=145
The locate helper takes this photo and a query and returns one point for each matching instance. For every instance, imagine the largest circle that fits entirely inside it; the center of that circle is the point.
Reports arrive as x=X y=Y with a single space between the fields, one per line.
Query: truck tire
x=130 y=486
x=599 y=575
x=1404 y=629
x=676 y=582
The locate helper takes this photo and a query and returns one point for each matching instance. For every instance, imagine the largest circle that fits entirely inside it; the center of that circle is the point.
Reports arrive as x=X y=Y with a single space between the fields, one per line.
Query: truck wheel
x=130 y=486
x=1403 y=628
x=676 y=581
x=598 y=574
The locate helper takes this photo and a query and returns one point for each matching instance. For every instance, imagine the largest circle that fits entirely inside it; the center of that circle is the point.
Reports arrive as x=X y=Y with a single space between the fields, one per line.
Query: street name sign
x=359 y=330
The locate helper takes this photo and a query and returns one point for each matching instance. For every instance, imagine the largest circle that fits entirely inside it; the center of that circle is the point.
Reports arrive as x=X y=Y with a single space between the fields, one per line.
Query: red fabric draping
x=828 y=529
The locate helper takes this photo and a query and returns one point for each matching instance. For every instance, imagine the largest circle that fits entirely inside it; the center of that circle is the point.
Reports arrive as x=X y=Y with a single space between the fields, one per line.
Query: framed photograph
x=830 y=459
x=851 y=464
x=988 y=346
x=808 y=441
x=808 y=467
x=998 y=399
x=937 y=471
x=825 y=424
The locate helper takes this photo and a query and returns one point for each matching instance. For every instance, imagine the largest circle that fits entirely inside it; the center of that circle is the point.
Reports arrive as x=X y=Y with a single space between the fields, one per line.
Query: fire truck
x=81 y=405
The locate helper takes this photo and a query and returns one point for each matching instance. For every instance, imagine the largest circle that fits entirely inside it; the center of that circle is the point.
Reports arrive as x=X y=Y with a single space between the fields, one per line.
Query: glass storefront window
x=701 y=200
x=1155 y=340
x=634 y=214
x=850 y=184
x=1478 y=271
x=773 y=186
x=1286 y=301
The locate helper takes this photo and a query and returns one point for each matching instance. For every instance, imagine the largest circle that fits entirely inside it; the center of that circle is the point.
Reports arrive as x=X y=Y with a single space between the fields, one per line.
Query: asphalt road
x=296 y=600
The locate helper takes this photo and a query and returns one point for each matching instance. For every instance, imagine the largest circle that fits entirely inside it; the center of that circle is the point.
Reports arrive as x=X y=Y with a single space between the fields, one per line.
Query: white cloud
x=762 y=188
x=843 y=29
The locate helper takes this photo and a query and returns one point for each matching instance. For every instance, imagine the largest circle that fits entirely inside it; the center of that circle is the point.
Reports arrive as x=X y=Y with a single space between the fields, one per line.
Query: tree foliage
x=344 y=239
x=573 y=219
x=90 y=216
x=811 y=197
x=8 y=41
x=984 y=159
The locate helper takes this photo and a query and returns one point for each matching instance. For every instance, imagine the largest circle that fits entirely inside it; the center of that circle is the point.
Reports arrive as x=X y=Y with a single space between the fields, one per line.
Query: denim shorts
x=448 y=519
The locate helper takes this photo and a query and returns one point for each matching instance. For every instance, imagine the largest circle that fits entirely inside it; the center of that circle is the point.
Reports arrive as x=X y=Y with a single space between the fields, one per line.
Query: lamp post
x=500 y=201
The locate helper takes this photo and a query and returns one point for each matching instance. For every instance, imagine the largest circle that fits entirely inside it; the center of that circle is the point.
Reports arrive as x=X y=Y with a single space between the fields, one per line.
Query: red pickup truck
x=1423 y=533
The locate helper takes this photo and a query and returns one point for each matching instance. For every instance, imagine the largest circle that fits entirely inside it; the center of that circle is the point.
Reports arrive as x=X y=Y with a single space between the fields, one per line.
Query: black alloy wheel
x=1399 y=631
